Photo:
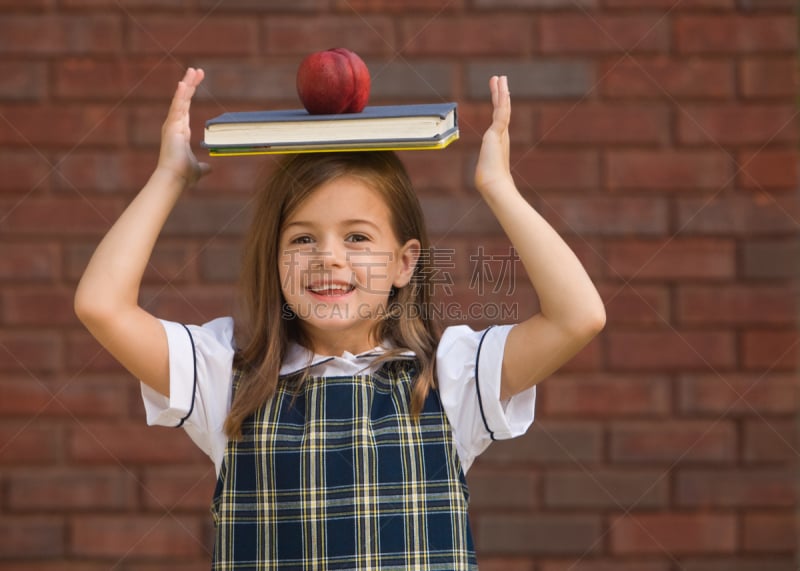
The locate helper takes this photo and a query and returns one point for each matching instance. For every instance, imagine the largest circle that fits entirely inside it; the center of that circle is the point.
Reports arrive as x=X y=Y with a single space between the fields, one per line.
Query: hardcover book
x=386 y=127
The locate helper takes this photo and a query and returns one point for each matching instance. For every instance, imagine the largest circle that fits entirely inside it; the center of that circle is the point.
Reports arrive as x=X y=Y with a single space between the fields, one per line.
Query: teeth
x=332 y=287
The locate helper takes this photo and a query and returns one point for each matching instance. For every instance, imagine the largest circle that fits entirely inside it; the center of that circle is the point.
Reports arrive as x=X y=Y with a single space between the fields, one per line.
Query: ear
x=407 y=258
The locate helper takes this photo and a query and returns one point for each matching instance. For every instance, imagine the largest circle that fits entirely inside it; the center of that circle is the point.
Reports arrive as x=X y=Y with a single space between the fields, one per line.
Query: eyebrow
x=348 y=222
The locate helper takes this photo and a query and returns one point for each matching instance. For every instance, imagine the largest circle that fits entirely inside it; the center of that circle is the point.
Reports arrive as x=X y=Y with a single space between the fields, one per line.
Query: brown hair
x=264 y=333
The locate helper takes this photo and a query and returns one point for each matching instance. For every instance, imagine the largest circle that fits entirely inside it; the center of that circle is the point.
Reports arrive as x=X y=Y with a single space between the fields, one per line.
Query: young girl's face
x=339 y=259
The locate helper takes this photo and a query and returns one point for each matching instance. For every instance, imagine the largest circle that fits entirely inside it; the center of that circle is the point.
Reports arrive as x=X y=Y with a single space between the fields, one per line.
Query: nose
x=331 y=254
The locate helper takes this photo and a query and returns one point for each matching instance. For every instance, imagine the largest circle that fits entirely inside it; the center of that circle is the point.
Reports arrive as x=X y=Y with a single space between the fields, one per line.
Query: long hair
x=264 y=332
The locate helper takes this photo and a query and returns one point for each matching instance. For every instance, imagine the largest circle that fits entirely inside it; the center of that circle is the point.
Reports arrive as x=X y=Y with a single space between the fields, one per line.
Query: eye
x=357 y=238
x=301 y=240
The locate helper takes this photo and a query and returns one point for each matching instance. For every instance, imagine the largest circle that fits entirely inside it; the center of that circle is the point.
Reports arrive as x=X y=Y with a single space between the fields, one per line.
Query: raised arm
x=107 y=298
x=572 y=312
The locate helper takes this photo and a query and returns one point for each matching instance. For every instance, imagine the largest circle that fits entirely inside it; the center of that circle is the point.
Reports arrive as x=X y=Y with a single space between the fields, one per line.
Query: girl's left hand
x=493 y=171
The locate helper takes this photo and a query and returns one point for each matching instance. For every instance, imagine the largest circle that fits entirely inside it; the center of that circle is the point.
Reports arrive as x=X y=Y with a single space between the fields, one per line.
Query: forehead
x=343 y=198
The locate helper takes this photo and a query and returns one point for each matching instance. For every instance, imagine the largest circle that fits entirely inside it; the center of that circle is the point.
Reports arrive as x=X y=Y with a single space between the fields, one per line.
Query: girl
x=340 y=422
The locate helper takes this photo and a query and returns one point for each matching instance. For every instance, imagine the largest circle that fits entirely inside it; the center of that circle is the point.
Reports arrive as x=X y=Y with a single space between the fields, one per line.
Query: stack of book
x=386 y=127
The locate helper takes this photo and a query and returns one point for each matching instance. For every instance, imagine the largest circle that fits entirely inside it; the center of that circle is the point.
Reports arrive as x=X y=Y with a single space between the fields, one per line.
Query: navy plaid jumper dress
x=337 y=474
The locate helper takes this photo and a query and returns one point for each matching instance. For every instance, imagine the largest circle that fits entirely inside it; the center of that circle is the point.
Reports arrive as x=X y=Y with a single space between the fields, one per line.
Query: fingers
x=182 y=99
x=501 y=101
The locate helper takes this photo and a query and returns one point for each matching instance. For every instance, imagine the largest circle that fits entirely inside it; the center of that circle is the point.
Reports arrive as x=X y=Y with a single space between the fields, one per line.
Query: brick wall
x=659 y=136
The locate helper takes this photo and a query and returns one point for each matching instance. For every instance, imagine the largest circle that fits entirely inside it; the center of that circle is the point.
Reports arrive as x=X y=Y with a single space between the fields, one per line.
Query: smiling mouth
x=331 y=290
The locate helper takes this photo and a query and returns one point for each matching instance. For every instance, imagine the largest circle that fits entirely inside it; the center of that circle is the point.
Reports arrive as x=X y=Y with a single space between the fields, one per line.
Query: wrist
x=170 y=178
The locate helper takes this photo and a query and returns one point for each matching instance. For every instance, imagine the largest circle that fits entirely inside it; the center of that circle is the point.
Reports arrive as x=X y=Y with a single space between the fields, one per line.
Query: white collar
x=298 y=358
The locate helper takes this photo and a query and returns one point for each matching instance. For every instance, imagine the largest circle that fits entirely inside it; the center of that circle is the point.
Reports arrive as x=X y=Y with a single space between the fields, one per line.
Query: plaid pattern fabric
x=338 y=475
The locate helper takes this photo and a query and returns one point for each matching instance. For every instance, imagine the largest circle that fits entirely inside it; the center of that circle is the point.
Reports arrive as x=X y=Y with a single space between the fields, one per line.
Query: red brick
x=768 y=78
x=740 y=394
x=23 y=443
x=606 y=396
x=474 y=119
x=670 y=4
x=729 y=34
x=771 y=259
x=32 y=307
x=770 y=532
x=671 y=349
x=765 y=487
x=673 y=534
x=739 y=214
x=429 y=177
x=129 y=4
x=736 y=305
x=676 y=259
x=768 y=170
x=737 y=125
x=737 y=563
x=231 y=175
x=506 y=489
x=302 y=35
x=545 y=78
x=104 y=171
x=678 y=441
x=668 y=170
x=82 y=397
x=84 y=353
x=539 y=169
x=178 y=488
x=537 y=534
x=59 y=565
x=62 y=126
x=606 y=489
x=24 y=171
x=595 y=32
x=23 y=80
x=590 y=253
x=589 y=359
x=91 y=79
x=398 y=81
x=247 y=81
x=501 y=34
x=606 y=124
x=59 y=216
x=640 y=305
x=550 y=442
x=28 y=262
x=584 y=564
x=606 y=215
x=535 y=4
x=505 y=564
x=220 y=263
x=260 y=6
x=172 y=262
x=189 y=305
x=28 y=352
x=30 y=5
x=136 y=536
x=57 y=35
x=777 y=350
x=58 y=490
x=215 y=35
x=145 y=122
x=770 y=440
x=113 y=443
x=670 y=78
x=31 y=538
x=218 y=217
x=437 y=6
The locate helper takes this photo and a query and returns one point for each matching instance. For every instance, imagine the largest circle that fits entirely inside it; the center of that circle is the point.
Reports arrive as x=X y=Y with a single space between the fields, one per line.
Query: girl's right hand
x=176 y=157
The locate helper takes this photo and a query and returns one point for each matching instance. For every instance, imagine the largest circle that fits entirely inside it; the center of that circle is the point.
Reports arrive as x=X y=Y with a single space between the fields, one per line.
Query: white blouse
x=468 y=368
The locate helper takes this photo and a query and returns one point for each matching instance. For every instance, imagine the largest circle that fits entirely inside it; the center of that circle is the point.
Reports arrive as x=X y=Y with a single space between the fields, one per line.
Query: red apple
x=333 y=81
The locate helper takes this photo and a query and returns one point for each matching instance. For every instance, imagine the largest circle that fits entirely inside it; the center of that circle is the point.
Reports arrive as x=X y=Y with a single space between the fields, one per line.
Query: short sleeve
x=200 y=373
x=469 y=369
